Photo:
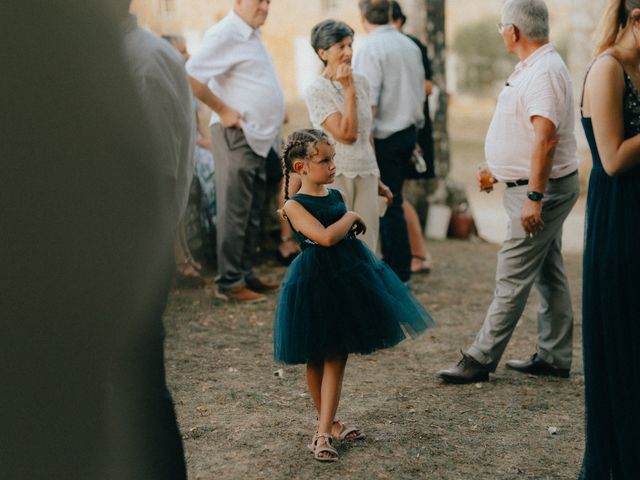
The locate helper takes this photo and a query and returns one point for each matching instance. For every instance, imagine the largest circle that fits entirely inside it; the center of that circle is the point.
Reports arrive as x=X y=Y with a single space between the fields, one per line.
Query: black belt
x=517 y=183
x=525 y=181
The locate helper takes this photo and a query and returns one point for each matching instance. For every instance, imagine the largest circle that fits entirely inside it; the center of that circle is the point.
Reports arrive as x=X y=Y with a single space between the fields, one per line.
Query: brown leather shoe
x=467 y=370
x=239 y=294
x=536 y=366
x=262 y=286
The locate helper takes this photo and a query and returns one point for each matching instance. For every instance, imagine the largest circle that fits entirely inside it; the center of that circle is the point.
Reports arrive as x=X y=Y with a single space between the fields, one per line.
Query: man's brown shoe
x=239 y=294
x=261 y=286
x=467 y=370
x=536 y=366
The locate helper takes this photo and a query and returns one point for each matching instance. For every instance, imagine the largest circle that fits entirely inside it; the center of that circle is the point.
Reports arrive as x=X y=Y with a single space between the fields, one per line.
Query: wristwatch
x=534 y=196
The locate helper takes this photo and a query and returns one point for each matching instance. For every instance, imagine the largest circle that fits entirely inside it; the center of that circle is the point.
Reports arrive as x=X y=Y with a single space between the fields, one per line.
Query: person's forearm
x=541 y=164
x=338 y=230
x=626 y=157
x=349 y=120
x=206 y=96
x=428 y=87
x=202 y=126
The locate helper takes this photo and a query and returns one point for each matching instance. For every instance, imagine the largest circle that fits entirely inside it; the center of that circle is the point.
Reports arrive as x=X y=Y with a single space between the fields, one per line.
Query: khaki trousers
x=362 y=197
x=524 y=262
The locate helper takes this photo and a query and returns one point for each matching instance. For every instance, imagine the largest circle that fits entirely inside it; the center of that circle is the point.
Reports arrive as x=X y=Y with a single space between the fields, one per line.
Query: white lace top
x=324 y=98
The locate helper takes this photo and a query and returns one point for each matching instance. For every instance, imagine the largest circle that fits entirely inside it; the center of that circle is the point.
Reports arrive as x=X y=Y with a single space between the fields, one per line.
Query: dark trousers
x=392 y=153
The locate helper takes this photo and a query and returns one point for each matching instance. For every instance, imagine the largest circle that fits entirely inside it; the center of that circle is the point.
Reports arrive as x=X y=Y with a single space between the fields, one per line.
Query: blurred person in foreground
x=610 y=300
x=233 y=74
x=158 y=72
x=392 y=65
x=531 y=147
x=84 y=242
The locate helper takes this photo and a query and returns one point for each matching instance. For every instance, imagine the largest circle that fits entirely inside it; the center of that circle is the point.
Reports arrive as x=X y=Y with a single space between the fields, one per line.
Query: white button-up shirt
x=539 y=86
x=392 y=64
x=234 y=64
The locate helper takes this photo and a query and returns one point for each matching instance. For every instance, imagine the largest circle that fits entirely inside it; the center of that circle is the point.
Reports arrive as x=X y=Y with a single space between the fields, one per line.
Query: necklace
x=338 y=89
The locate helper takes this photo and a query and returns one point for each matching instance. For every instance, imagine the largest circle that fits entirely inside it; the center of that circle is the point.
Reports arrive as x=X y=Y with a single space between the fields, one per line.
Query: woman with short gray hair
x=338 y=103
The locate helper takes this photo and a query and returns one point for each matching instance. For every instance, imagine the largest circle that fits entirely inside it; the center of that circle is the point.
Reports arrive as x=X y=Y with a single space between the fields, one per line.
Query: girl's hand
x=344 y=75
x=359 y=227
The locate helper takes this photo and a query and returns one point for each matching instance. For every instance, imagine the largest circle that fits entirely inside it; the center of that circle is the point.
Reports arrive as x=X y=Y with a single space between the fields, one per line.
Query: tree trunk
x=435 y=10
x=420 y=193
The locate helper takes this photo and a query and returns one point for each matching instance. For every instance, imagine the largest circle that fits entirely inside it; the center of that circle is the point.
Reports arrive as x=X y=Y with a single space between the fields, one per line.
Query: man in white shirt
x=531 y=147
x=233 y=74
x=392 y=64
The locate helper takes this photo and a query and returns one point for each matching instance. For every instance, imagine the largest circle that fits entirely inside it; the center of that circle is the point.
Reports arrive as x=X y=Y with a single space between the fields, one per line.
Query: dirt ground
x=240 y=421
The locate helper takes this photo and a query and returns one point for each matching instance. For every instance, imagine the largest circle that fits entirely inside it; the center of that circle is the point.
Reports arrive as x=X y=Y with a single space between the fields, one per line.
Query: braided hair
x=297 y=147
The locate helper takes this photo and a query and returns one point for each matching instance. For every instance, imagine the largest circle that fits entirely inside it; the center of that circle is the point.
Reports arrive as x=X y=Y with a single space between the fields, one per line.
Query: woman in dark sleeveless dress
x=611 y=295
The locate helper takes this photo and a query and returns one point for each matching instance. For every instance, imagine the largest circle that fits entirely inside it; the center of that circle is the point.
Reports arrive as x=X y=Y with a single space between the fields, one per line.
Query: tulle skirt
x=342 y=299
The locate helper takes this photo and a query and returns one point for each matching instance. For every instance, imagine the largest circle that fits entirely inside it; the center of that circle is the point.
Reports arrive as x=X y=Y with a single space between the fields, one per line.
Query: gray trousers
x=524 y=262
x=240 y=193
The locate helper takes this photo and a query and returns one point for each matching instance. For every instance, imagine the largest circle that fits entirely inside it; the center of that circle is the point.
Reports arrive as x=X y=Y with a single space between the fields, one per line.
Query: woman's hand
x=359 y=227
x=344 y=75
x=384 y=191
x=343 y=126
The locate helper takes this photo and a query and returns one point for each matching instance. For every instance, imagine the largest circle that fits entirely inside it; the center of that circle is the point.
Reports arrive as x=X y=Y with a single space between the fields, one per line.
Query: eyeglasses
x=503 y=26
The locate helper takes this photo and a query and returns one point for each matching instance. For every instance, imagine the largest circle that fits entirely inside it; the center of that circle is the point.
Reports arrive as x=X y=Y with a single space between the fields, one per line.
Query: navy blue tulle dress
x=340 y=299
x=611 y=312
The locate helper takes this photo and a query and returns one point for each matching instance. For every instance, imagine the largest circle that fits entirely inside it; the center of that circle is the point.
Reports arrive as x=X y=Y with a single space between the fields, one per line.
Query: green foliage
x=483 y=61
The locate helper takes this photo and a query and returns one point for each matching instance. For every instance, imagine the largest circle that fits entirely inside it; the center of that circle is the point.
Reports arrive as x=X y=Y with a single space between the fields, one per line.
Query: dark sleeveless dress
x=611 y=312
x=340 y=299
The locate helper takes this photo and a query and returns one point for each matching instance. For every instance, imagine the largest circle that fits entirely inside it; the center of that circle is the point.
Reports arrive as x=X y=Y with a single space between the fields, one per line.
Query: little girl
x=337 y=298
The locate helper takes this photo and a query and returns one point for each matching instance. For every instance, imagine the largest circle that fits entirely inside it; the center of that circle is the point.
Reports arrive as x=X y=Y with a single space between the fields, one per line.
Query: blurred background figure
x=611 y=121
x=87 y=229
x=233 y=74
x=392 y=65
x=338 y=103
x=421 y=261
x=197 y=226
